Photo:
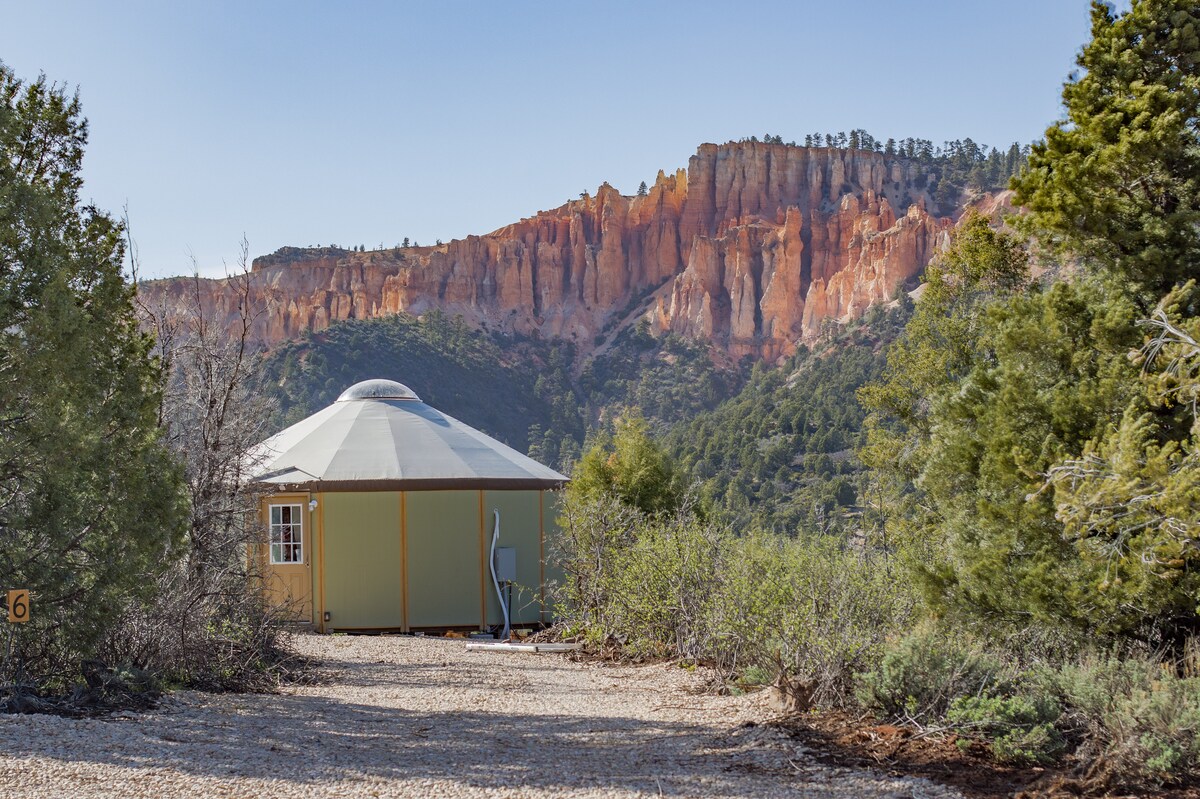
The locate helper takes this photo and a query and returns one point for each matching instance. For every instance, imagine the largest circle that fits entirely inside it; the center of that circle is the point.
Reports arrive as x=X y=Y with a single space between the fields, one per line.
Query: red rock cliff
x=756 y=247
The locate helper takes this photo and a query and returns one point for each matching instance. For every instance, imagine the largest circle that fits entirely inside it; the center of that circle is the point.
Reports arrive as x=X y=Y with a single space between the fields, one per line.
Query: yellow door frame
x=309 y=538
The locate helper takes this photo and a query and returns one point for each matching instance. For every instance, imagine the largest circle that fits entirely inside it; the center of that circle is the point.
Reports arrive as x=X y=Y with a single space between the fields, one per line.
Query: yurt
x=382 y=513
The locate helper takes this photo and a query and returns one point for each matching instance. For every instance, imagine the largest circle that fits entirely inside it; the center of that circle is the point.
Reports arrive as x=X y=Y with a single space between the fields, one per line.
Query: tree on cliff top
x=1118 y=181
x=90 y=499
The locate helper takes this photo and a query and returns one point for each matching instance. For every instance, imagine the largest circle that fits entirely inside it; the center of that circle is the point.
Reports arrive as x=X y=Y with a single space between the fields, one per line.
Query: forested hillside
x=780 y=455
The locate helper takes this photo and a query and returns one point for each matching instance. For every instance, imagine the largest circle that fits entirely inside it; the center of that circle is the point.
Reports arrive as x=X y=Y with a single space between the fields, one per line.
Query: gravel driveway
x=403 y=716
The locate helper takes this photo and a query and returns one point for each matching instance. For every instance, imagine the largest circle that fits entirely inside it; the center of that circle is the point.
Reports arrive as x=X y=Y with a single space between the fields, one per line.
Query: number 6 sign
x=18 y=605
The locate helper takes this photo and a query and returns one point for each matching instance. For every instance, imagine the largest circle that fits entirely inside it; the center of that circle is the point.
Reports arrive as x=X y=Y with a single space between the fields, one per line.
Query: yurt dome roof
x=379 y=435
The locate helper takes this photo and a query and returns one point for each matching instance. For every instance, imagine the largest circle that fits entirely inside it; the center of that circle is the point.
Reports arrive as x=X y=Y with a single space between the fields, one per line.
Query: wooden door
x=287 y=569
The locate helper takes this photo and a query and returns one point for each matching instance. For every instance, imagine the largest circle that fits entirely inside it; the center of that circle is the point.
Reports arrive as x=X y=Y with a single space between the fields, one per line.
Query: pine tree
x=629 y=465
x=1118 y=181
x=642 y=189
x=1012 y=160
x=90 y=500
x=1044 y=476
x=1129 y=500
x=1065 y=468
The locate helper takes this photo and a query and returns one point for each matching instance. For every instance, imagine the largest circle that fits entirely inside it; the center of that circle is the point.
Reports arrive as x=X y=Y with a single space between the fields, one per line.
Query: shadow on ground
x=310 y=739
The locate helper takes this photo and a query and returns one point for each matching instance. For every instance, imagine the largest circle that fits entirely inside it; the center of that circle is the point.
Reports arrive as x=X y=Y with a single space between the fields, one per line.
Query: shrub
x=1021 y=727
x=1134 y=715
x=818 y=605
x=922 y=673
x=755 y=675
x=682 y=586
x=662 y=585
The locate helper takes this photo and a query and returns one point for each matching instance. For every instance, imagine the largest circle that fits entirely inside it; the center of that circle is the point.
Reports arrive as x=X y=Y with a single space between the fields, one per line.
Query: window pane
x=285 y=534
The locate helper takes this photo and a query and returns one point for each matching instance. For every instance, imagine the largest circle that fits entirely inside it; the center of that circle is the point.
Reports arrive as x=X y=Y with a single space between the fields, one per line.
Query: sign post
x=18 y=606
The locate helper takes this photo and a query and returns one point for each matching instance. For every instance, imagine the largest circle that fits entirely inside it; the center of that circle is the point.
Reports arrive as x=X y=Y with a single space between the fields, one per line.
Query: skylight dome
x=378 y=389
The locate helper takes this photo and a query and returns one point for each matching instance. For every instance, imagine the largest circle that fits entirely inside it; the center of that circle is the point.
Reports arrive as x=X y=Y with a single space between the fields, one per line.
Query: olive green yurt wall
x=362 y=559
x=445 y=561
x=520 y=527
x=438 y=542
x=551 y=510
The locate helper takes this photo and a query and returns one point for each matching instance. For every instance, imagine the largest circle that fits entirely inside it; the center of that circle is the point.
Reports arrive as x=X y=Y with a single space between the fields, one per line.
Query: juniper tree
x=90 y=500
x=1049 y=473
x=630 y=466
x=1118 y=181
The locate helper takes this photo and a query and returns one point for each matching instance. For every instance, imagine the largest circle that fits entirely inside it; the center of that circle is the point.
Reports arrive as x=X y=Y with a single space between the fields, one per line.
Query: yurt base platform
x=472 y=633
x=532 y=649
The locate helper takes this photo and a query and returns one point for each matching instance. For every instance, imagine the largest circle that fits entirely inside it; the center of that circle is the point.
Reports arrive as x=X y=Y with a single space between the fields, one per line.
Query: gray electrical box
x=506 y=564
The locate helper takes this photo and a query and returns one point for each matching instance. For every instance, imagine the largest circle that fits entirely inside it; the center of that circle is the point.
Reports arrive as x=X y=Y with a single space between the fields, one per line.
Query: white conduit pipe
x=495 y=582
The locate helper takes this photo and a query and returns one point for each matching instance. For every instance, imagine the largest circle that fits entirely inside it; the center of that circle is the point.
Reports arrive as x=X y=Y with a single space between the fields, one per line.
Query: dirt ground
x=856 y=742
x=398 y=716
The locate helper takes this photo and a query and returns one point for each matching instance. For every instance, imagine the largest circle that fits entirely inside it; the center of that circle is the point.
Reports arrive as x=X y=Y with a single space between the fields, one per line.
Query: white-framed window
x=287 y=534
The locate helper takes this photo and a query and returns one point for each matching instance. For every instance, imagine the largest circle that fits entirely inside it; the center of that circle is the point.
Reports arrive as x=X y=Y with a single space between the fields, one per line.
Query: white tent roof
x=379 y=435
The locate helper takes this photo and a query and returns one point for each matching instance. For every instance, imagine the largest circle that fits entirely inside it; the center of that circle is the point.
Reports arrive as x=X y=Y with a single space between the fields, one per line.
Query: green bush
x=1135 y=715
x=1038 y=744
x=681 y=586
x=1021 y=727
x=755 y=675
x=1130 y=718
x=664 y=583
x=921 y=674
x=820 y=606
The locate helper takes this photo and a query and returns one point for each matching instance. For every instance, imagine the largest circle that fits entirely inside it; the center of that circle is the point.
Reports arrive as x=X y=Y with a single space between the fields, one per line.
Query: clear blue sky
x=299 y=123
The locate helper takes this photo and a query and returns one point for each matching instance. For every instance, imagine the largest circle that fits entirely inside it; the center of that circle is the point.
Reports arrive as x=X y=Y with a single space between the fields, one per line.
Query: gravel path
x=418 y=717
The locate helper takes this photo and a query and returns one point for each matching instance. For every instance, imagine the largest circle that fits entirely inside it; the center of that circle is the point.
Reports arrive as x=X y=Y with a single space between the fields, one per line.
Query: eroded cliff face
x=755 y=246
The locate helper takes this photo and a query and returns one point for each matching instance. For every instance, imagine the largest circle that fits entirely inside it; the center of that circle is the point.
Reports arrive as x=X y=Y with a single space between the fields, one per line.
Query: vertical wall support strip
x=542 y=556
x=312 y=555
x=403 y=562
x=482 y=568
x=321 y=559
